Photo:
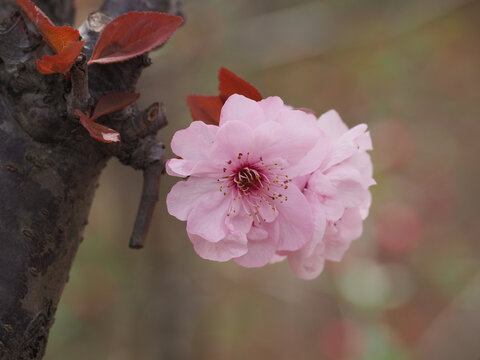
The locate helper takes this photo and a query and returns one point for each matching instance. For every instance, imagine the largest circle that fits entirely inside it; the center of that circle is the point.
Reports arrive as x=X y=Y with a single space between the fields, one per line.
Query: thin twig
x=150 y=193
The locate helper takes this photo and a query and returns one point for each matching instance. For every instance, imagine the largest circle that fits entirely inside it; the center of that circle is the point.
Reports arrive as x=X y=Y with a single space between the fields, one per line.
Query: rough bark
x=49 y=166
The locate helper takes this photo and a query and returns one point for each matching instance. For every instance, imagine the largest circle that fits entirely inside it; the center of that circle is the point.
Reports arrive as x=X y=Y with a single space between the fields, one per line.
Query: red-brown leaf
x=232 y=84
x=97 y=131
x=133 y=34
x=113 y=102
x=205 y=108
x=62 y=62
x=57 y=37
x=34 y=13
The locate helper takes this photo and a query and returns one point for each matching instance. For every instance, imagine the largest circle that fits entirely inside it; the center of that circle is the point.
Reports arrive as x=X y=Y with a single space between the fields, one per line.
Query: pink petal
x=307 y=262
x=194 y=142
x=300 y=135
x=339 y=235
x=277 y=258
x=258 y=233
x=185 y=195
x=301 y=181
x=324 y=193
x=332 y=124
x=272 y=106
x=238 y=219
x=289 y=139
x=239 y=108
x=363 y=163
x=232 y=139
x=319 y=219
x=347 y=182
x=306 y=268
x=233 y=245
x=183 y=168
x=295 y=221
x=351 y=225
x=267 y=212
x=207 y=218
x=313 y=159
x=335 y=249
x=346 y=145
x=180 y=167
x=364 y=208
x=321 y=184
x=364 y=142
x=334 y=208
x=261 y=247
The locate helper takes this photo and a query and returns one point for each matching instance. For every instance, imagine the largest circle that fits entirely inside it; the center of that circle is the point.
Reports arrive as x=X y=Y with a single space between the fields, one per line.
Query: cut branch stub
x=148 y=122
x=79 y=96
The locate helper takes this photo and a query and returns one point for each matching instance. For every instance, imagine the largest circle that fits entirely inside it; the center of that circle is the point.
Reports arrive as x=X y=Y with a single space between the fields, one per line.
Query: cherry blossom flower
x=240 y=201
x=268 y=182
x=338 y=195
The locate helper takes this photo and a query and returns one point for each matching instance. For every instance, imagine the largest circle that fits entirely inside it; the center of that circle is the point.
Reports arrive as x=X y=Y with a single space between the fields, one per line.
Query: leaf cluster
x=127 y=36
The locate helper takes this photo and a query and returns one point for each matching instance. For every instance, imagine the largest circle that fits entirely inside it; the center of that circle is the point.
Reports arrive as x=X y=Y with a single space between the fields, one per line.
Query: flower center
x=247 y=178
x=257 y=187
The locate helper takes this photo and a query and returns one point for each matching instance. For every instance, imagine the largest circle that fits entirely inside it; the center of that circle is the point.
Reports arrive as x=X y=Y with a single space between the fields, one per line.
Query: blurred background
x=409 y=288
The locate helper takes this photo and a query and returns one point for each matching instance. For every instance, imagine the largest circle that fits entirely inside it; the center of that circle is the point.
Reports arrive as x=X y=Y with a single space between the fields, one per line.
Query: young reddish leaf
x=107 y=104
x=208 y=108
x=205 y=108
x=113 y=102
x=34 y=13
x=97 y=131
x=232 y=84
x=102 y=133
x=62 y=62
x=57 y=37
x=133 y=34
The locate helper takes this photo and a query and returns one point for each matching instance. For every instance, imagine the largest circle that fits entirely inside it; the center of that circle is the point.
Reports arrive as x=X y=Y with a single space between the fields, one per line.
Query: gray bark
x=49 y=166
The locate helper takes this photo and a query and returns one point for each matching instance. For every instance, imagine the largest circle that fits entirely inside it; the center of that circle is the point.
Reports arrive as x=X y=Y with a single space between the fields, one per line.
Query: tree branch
x=148 y=122
x=49 y=166
x=151 y=186
x=16 y=42
x=79 y=95
x=61 y=12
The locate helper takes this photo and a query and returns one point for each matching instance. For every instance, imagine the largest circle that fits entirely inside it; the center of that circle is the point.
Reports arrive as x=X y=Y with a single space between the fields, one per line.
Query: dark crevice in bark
x=61 y=12
x=50 y=166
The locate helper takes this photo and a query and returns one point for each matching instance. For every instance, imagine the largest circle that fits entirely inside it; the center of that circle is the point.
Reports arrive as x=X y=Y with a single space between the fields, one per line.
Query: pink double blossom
x=271 y=182
x=338 y=195
x=239 y=200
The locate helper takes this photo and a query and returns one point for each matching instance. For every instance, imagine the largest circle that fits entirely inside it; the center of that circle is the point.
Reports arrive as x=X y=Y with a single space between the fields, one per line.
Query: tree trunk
x=49 y=166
